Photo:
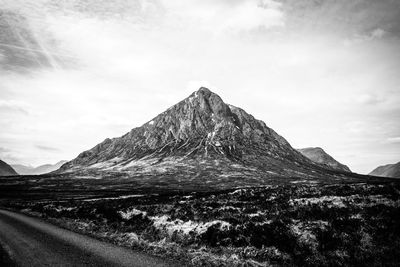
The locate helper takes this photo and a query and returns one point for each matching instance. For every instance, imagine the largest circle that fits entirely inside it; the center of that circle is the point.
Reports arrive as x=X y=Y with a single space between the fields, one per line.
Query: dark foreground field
x=355 y=224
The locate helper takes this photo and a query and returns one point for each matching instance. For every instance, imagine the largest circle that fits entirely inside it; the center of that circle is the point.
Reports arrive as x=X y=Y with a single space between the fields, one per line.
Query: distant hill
x=318 y=155
x=6 y=170
x=389 y=170
x=29 y=170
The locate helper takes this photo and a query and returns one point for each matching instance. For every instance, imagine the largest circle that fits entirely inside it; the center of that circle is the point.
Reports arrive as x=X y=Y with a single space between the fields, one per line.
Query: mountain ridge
x=318 y=155
x=42 y=169
x=6 y=169
x=388 y=170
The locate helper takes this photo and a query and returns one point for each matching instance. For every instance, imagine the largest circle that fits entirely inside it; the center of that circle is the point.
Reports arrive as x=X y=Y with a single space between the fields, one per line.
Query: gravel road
x=33 y=242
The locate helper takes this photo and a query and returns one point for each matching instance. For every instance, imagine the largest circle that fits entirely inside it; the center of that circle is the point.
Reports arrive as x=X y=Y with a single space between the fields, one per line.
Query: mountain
x=201 y=140
x=319 y=156
x=390 y=170
x=29 y=170
x=6 y=170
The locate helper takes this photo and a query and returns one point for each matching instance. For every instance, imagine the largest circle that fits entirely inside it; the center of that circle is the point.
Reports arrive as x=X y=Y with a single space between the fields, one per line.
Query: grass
x=284 y=225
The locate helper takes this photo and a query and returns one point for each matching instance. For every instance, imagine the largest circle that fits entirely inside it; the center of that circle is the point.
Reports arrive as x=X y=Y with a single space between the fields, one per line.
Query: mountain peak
x=204 y=90
x=201 y=132
x=209 y=103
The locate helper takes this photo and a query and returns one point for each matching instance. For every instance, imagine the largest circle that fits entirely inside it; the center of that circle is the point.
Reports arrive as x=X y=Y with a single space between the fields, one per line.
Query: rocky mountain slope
x=6 y=170
x=42 y=169
x=390 y=170
x=200 y=137
x=319 y=156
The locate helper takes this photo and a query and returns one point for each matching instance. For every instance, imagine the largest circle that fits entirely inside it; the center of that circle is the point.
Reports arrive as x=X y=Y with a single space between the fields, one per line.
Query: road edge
x=6 y=256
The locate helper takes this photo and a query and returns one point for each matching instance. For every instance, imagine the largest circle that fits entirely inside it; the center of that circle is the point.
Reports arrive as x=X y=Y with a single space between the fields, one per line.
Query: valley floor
x=287 y=225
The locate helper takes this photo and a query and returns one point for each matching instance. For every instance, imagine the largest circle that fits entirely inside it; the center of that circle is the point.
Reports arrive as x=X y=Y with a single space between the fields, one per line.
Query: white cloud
x=369 y=99
x=362 y=38
x=377 y=33
x=13 y=106
x=222 y=15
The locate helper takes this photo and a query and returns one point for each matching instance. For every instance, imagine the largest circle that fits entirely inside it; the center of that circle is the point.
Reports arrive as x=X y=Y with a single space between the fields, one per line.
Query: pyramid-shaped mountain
x=200 y=136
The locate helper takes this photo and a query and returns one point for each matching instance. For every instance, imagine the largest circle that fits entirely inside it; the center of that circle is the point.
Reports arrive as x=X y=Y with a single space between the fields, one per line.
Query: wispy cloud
x=3 y=150
x=223 y=15
x=47 y=148
x=369 y=99
x=367 y=18
x=361 y=38
x=13 y=106
x=8 y=156
x=393 y=140
x=119 y=63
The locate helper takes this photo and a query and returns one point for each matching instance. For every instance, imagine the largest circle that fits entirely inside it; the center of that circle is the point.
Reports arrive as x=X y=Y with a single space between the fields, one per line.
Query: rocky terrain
x=389 y=170
x=319 y=156
x=200 y=137
x=42 y=169
x=6 y=170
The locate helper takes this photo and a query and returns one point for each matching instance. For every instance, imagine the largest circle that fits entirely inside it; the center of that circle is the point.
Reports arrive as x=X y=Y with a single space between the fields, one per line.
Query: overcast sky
x=320 y=73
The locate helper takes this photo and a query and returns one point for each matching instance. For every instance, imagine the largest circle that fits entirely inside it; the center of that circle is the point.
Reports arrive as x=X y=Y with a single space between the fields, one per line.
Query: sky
x=320 y=73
